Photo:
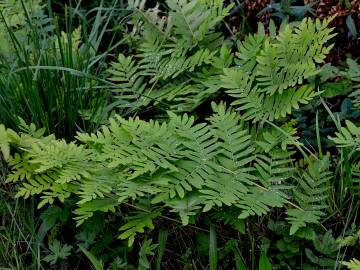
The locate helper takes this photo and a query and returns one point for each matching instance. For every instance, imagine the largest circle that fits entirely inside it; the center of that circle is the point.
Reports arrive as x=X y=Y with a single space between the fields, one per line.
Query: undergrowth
x=153 y=135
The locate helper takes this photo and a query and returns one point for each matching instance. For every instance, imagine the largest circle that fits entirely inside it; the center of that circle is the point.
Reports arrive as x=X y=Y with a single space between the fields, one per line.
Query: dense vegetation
x=179 y=134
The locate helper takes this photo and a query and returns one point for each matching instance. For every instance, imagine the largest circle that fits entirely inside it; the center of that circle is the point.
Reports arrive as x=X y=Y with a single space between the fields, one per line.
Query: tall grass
x=19 y=246
x=53 y=78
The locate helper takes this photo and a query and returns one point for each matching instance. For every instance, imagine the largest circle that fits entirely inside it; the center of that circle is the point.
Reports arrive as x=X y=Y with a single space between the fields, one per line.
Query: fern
x=350 y=240
x=192 y=20
x=284 y=137
x=186 y=207
x=136 y=223
x=75 y=39
x=234 y=159
x=130 y=84
x=353 y=264
x=353 y=73
x=348 y=136
x=176 y=165
x=311 y=194
x=291 y=58
x=270 y=79
x=249 y=49
x=180 y=45
x=87 y=210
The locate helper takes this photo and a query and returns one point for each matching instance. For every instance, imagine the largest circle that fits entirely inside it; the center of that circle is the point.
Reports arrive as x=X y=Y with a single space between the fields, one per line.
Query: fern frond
x=179 y=164
x=200 y=149
x=86 y=210
x=292 y=57
x=130 y=84
x=350 y=240
x=230 y=183
x=144 y=146
x=259 y=202
x=137 y=223
x=249 y=49
x=275 y=168
x=141 y=187
x=353 y=264
x=270 y=80
x=98 y=185
x=62 y=159
x=353 y=73
x=186 y=207
x=281 y=137
x=259 y=107
x=193 y=20
x=348 y=136
x=311 y=194
x=76 y=37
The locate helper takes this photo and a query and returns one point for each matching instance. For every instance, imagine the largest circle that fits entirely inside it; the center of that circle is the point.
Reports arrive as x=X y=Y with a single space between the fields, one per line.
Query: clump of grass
x=53 y=78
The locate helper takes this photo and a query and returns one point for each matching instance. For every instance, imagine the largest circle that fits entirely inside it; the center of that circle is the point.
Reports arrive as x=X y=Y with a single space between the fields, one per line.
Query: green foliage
x=178 y=56
x=13 y=16
x=146 y=250
x=50 y=77
x=264 y=263
x=311 y=194
x=98 y=265
x=353 y=73
x=348 y=136
x=350 y=240
x=213 y=254
x=57 y=252
x=174 y=174
x=162 y=240
x=181 y=165
x=353 y=264
x=270 y=80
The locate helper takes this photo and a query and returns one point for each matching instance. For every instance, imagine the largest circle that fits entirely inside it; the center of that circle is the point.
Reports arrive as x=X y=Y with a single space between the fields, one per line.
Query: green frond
x=179 y=165
x=15 y=18
x=137 y=223
x=350 y=240
x=311 y=194
x=130 y=84
x=193 y=20
x=259 y=202
x=282 y=137
x=348 y=136
x=143 y=146
x=353 y=264
x=249 y=49
x=98 y=185
x=86 y=210
x=76 y=37
x=275 y=168
x=186 y=207
x=291 y=57
x=299 y=218
x=353 y=73
x=259 y=107
x=270 y=79
x=200 y=148
x=133 y=189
